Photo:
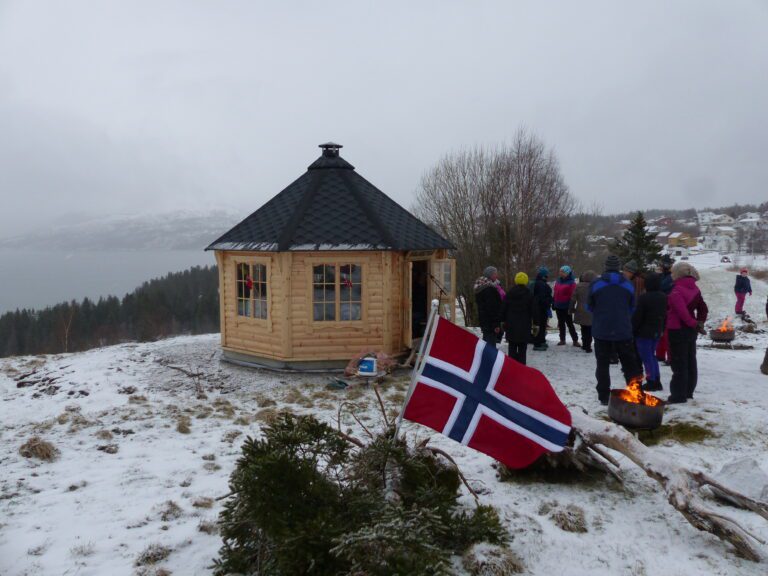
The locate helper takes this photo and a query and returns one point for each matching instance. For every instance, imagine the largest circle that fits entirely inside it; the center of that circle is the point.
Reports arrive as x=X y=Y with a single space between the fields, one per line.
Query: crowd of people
x=627 y=316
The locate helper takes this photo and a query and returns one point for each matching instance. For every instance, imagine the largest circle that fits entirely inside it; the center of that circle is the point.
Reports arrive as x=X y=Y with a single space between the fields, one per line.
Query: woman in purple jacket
x=686 y=314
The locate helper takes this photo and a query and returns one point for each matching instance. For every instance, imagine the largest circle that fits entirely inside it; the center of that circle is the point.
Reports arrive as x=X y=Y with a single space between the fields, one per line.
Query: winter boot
x=652 y=386
x=576 y=343
x=540 y=347
x=561 y=343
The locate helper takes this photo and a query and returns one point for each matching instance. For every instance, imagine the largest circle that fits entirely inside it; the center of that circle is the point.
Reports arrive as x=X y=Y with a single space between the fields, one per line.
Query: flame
x=634 y=393
x=726 y=326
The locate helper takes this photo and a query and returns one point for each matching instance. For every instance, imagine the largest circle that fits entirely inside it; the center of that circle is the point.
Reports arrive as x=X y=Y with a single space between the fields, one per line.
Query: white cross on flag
x=476 y=395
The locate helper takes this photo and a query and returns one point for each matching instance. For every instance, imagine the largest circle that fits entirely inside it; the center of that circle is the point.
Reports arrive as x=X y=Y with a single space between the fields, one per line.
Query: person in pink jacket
x=686 y=314
x=564 y=287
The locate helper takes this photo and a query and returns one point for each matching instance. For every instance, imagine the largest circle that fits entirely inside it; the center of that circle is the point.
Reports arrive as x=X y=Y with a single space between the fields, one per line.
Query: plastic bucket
x=367 y=367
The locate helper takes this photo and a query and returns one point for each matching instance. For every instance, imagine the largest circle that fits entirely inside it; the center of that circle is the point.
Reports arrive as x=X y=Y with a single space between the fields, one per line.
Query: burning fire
x=634 y=393
x=726 y=326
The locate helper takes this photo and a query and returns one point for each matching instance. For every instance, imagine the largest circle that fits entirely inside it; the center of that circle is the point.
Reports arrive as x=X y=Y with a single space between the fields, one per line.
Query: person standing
x=488 y=300
x=686 y=314
x=564 y=287
x=542 y=297
x=648 y=326
x=581 y=314
x=662 y=349
x=742 y=288
x=611 y=301
x=517 y=316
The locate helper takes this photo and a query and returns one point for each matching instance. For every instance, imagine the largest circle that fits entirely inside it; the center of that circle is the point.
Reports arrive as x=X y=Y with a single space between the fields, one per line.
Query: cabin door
x=416 y=300
x=443 y=287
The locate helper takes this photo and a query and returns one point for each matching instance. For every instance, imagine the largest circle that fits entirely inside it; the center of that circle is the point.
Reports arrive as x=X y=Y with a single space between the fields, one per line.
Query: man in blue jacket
x=612 y=301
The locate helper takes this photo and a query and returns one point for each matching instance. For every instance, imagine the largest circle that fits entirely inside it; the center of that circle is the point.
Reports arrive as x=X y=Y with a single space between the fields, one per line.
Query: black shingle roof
x=330 y=207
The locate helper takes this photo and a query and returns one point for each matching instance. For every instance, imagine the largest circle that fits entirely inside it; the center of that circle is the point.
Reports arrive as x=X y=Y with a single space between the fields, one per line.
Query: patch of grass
x=203 y=502
x=570 y=518
x=170 y=511
x=267 y=415
x=208 y=527
x=296 y=396
x=108 y=448
x=224 y=407
x=491 y=560
x=231 y=435
x=153 y=554
x=38 y=550
x=209 y=457
x=103 y=435
x=242 y=420
x=182 y=425
x=82 y=550
x=324 y=395
x=263 y=400
x=680 y=432
x=38 y=448
x=137 y=399
x=355 y=392
x=211 y=466
x=396 y=398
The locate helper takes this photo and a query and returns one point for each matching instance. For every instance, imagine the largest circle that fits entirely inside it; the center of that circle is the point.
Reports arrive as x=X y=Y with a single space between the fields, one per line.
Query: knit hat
x=683 y=269
x=490 y=271
x=744 y=270
x=521 y=278
x=666 y=261
x=631 y=267
x=542 y=272
x=566 y=269
x=612 y=263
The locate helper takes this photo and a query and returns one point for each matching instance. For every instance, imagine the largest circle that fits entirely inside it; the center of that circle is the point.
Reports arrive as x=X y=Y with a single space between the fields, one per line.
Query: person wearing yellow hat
x=517 y=316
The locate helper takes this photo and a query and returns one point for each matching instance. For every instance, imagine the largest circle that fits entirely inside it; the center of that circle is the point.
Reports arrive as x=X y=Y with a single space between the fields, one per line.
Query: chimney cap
x=330 y=149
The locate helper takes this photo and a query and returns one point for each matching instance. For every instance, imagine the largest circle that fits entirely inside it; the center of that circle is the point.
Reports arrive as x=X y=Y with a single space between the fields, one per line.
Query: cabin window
x=252 y=290
x=337 y=292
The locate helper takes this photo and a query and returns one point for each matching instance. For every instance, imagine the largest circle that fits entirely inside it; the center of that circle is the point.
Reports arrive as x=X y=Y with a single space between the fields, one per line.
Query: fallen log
x=684 y=487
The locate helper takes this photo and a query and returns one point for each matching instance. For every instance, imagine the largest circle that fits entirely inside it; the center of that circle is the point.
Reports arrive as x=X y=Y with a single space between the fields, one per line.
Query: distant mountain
x=181 y=230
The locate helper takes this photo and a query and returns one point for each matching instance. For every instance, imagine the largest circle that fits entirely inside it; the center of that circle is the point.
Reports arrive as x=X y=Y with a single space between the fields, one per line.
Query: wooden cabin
x=327 y=268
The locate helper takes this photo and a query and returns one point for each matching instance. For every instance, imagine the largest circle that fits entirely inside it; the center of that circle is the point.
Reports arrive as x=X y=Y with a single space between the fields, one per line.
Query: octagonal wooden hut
x=327 y=268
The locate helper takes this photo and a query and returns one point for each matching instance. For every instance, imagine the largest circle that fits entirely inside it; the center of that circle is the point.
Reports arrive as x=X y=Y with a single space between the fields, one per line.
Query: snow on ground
x=127 y=478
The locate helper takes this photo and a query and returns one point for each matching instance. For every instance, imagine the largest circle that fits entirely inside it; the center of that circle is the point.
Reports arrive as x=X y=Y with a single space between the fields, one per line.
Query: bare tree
x=507 y=206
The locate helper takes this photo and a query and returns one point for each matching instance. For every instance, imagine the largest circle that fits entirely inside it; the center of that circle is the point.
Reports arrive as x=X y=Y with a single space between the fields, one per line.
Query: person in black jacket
x=517 y=316
x=662 y=348
x=542 y=298
x=489 y=301
x=648 y=327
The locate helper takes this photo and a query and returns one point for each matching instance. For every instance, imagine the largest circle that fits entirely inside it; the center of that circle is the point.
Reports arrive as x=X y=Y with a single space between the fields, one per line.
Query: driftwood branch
x=682 y=486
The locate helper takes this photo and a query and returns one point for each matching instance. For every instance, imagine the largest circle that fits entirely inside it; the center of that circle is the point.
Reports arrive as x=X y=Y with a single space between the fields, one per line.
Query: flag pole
x=431 y=321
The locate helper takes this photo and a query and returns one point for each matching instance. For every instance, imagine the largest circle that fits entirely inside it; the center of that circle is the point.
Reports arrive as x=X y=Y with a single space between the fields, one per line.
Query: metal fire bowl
x=634 y=415
x=718 y=336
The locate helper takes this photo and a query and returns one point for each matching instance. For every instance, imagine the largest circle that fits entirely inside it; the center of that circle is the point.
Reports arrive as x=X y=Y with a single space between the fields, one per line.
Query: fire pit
x=725 y=333
x=634 y=408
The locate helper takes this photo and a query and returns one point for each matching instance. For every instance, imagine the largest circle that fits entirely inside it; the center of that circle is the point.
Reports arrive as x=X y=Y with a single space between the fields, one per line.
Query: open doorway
x=419 y=297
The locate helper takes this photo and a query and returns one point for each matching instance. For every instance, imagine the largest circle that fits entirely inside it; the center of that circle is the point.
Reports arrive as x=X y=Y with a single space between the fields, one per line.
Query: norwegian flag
x=476 y=395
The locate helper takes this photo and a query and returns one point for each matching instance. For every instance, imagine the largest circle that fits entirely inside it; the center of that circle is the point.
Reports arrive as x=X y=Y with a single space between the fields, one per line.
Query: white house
x=705 y=218
x=722 y=220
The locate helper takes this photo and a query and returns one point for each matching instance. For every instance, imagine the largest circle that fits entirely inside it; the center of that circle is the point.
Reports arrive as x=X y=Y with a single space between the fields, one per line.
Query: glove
x=700 y=328
x=535 y=330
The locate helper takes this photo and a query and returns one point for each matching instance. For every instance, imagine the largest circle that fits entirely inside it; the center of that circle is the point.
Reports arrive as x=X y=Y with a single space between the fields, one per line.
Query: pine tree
x=638 y=244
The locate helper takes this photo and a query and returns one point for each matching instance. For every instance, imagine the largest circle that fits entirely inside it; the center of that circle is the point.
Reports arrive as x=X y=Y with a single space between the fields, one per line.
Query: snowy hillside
x=178 y=230
x=149 y=433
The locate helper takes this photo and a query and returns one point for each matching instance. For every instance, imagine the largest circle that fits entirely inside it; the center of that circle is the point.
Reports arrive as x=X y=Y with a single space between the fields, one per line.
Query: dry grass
x=570 y=518
x=355 y=392
x=82 y=550
x=266 y=415
x=224 y=408
x=211 y=466
x=296 y=396
x=231 y=435
x=170 y=511
x=103 y=435
x=490 y=560
x=203 y=502
x=209 y=457
x=324 y=395
x=38 y=448
x=137 y=399
x=153 y=554
x=182 y=425
x=108 y=448
x=208 y=527
x=242 y=420
x=263 y=400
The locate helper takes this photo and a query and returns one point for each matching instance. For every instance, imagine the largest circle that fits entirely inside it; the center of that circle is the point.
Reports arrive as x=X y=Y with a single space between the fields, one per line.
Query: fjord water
x=36 y=278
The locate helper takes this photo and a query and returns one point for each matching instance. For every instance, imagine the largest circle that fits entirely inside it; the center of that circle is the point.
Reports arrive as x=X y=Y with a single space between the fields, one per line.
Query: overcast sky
x=151 y=106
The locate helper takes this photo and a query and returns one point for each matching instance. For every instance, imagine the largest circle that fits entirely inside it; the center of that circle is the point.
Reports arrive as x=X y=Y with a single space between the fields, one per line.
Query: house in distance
x=328 y=267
